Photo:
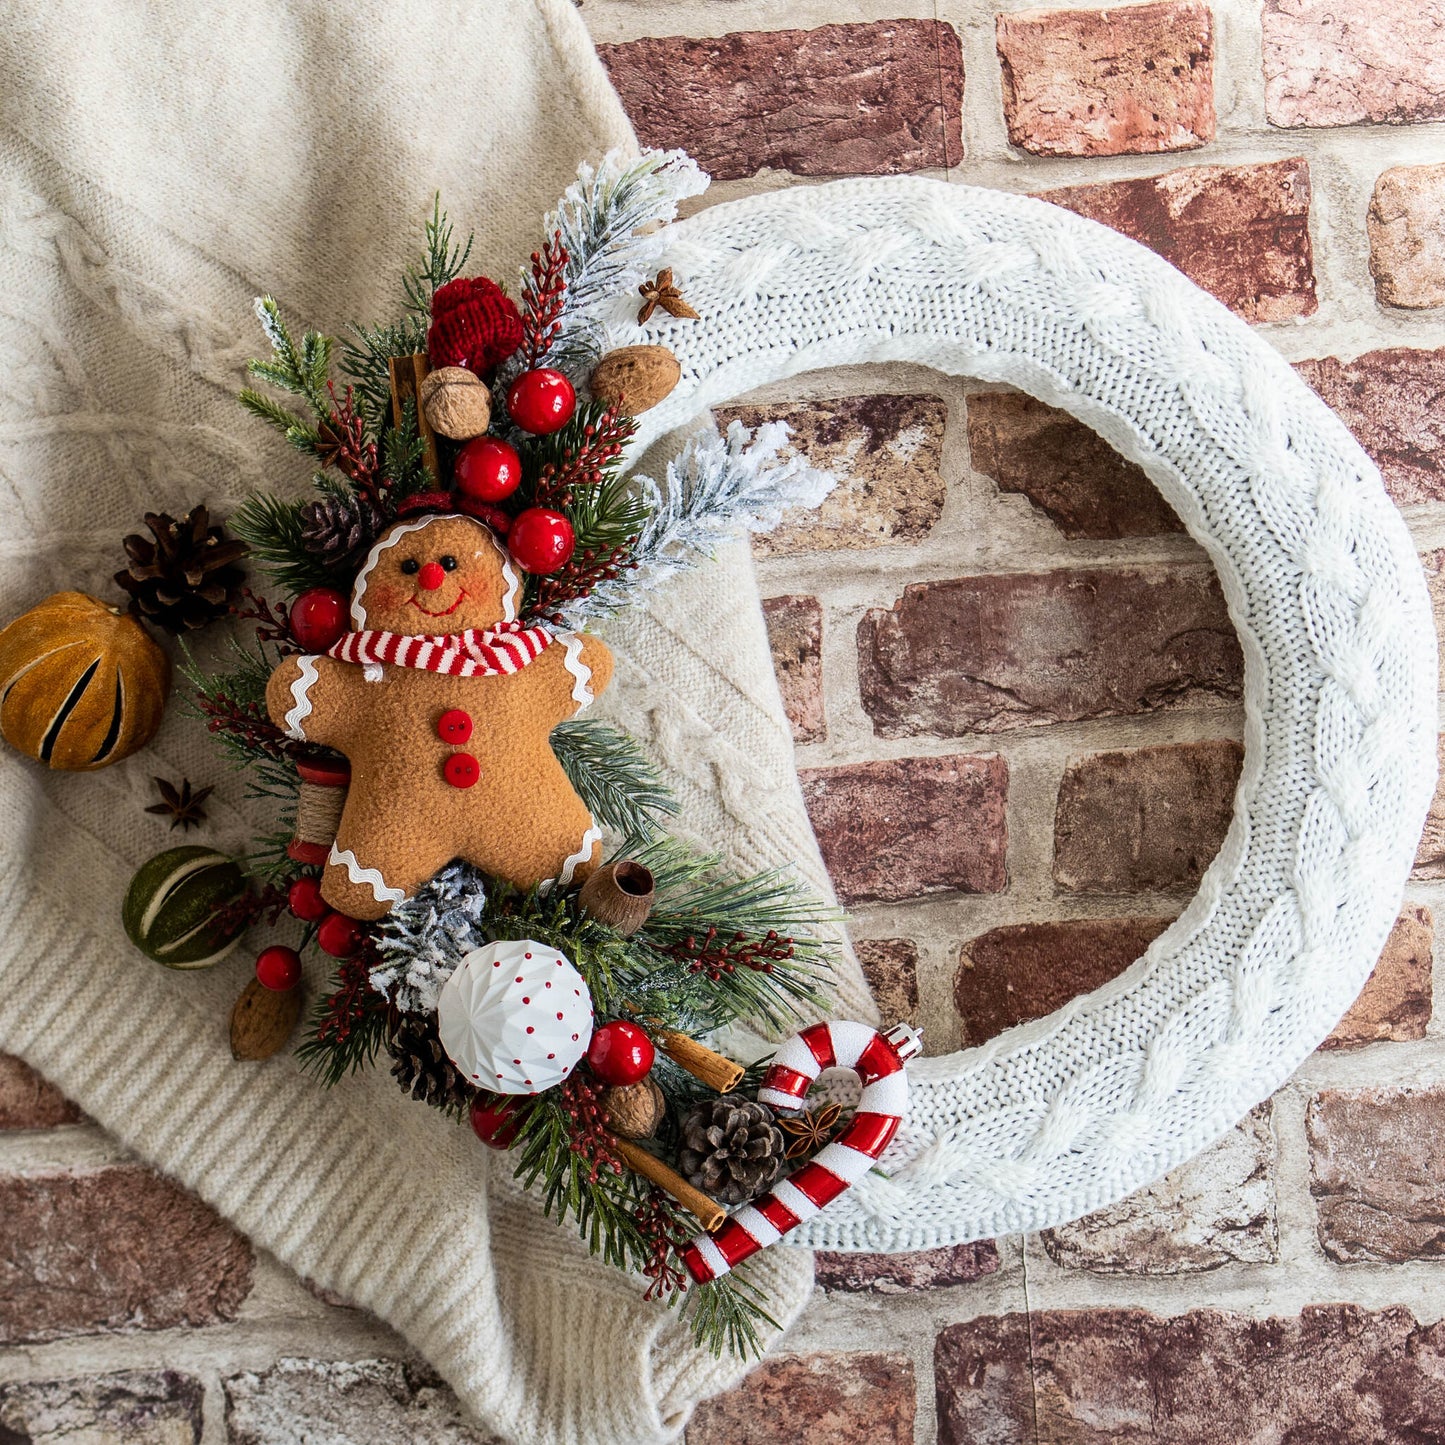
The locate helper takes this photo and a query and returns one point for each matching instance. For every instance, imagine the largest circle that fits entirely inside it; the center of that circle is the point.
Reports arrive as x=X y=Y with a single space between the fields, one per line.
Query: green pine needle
x=303 y=371
x=365 y=359
x=443 y=261
x=272 y=529
x=613 y=777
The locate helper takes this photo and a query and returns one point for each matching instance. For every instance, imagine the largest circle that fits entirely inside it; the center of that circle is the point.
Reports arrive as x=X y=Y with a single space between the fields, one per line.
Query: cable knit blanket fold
x=160 y=165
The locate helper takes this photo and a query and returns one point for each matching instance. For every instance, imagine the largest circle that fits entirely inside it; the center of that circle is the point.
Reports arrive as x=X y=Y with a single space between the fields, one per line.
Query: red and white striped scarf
x=475 y=652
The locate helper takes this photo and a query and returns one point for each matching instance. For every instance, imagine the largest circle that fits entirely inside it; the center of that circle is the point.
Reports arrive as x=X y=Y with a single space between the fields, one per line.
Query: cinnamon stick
x=709 y=1213
x=406 y=378
x=716 y=1071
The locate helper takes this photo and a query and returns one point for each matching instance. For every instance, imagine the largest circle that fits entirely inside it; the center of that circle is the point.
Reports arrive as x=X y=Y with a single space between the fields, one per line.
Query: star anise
x=662 y=292
x=811 y=1129
x=181 y=804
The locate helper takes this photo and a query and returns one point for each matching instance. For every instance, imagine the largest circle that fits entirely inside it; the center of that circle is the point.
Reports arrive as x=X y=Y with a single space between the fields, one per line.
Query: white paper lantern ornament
x=515 y=1017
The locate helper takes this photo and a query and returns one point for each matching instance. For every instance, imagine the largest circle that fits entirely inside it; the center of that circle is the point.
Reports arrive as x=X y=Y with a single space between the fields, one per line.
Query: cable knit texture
x=159 y=166
x=1073 y=1112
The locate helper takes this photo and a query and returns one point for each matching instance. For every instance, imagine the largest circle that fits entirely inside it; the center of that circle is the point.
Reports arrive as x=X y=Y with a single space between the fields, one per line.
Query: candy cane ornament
x=878 y=1060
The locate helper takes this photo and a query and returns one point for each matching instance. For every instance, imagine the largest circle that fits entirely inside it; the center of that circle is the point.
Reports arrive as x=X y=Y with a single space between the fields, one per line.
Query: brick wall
x=1015 y=696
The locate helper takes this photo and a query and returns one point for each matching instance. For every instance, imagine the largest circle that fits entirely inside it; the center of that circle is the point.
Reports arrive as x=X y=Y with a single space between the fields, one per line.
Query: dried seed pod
x=633 y=1110
x=618 y=894
x=457 y=402
x=262 y=1020
x=635 y=378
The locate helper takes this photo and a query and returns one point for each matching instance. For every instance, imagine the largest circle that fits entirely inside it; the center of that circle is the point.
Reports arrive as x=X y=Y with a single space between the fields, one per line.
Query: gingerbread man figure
x=444 y=706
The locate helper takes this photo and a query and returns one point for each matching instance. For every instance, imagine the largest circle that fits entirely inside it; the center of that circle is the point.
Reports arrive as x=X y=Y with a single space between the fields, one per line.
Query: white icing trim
x=358 y=588
x=300 y=708
x=582 y=693
x=370 y=876
x=514 y=583
x=589 y=840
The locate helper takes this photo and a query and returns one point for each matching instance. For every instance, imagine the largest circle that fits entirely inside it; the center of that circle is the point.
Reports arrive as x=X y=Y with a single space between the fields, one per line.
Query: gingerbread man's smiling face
x=435 y=575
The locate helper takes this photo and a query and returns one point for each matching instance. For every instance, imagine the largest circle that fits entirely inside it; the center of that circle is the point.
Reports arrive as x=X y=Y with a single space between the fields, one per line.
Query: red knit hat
x=474 y=324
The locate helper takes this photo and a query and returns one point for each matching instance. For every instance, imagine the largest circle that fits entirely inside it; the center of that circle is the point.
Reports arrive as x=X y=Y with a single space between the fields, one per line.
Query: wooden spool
x=318 y=810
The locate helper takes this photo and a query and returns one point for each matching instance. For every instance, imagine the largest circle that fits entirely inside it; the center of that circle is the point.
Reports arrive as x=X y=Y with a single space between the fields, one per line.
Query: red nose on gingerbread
x=431 y=576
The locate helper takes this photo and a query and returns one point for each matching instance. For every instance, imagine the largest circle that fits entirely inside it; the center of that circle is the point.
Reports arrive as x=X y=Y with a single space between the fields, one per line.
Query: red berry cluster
x=709 y=953
x=587 y=1127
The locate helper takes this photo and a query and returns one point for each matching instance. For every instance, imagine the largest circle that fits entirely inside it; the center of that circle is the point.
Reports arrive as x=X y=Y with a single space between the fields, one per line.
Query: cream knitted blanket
x=161 y=164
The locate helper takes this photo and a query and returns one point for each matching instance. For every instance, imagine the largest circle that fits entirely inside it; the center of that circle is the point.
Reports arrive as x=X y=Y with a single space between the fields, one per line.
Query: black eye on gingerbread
x=411 y=566
x=449 y=563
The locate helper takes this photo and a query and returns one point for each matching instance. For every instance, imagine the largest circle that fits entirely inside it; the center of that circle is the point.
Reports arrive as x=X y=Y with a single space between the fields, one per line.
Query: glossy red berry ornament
x=541 y=540
x=319 y=618
x=620 y=1053
x=278 y=968
x=541 y=401
x=304 y=899
x=487 y=469
x=339 y=935
x=496 y=1119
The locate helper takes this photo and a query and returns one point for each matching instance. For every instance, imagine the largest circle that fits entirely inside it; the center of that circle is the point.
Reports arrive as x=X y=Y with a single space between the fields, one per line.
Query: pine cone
x=184 y=575
x=337 y=528
x=423 y=1068
x=731 y=1149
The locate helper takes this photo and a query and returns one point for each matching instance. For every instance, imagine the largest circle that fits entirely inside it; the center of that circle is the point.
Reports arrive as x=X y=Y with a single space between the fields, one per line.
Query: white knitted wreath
x=1073 y=1112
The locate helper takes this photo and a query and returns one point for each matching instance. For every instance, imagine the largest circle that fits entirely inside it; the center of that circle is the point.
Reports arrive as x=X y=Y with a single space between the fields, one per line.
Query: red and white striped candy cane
x=878 y=1059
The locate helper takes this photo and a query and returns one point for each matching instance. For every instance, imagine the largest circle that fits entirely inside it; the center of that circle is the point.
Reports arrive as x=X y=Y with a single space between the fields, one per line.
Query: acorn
x=457 y=402
x=635 y=378
x=633 y=1111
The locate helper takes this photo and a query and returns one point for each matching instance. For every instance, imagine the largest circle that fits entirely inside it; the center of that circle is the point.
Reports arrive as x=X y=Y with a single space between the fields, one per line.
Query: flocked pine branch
x=716 y=487
x=424 y=937
x=599 y=220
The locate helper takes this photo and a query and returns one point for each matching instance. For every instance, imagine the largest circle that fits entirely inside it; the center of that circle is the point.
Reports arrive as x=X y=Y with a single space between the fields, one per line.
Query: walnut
x=457 y=402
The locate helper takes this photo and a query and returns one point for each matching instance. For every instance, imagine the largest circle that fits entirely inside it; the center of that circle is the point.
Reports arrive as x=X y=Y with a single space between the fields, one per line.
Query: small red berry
x=541 y=401
x=305 y=901
x=339 y=935
x=487 y=469
x=278 y=968
x=318 y=618
x=541 y=540
x=496 y=1119
x=620 y=1053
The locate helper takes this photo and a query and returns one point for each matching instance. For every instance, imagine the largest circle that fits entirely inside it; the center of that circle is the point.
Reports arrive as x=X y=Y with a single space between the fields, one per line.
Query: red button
x=461 y=770
x=454 y=726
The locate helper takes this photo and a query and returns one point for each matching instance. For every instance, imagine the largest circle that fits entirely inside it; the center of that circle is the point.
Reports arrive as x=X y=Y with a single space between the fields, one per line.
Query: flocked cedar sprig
x=715 y=487
x=606 y=222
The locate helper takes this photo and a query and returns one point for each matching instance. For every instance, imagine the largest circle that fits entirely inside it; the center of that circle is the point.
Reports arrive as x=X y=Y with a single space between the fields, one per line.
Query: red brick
x=1394 y=402
x=362 y=1402
x=1377 y=1167
x=28 y=1102
x=1025 y=971
x=1240 y=232
x=891 y=967
x=1215 y=1210
x=911 y=826
x=795 y=634
x=1434 y=565
x=991 y=653
x=1335 y=1374
x=886 y=451
x=1068 y=472
x=1144 y=819
x=1396 y=1000
x=1348 y=62
x=873 y=98
x=1129 y=80
x=905 y=1273
x=113 y=1249
x=1407 y=237
x=1430 y=856
x=820 y=1399
x=128 y=1407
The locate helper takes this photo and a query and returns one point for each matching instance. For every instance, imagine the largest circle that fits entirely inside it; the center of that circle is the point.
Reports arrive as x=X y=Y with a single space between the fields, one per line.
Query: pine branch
x=613 y=777
x=365 y=359
x=303 y=371
x=301 y=434
x=443 y=261
x=725 y=1314
x=273 y=530
x=403 y=462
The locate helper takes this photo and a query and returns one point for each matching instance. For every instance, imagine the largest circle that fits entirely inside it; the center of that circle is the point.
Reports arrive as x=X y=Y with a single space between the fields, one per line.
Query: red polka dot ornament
x=515 y=1017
